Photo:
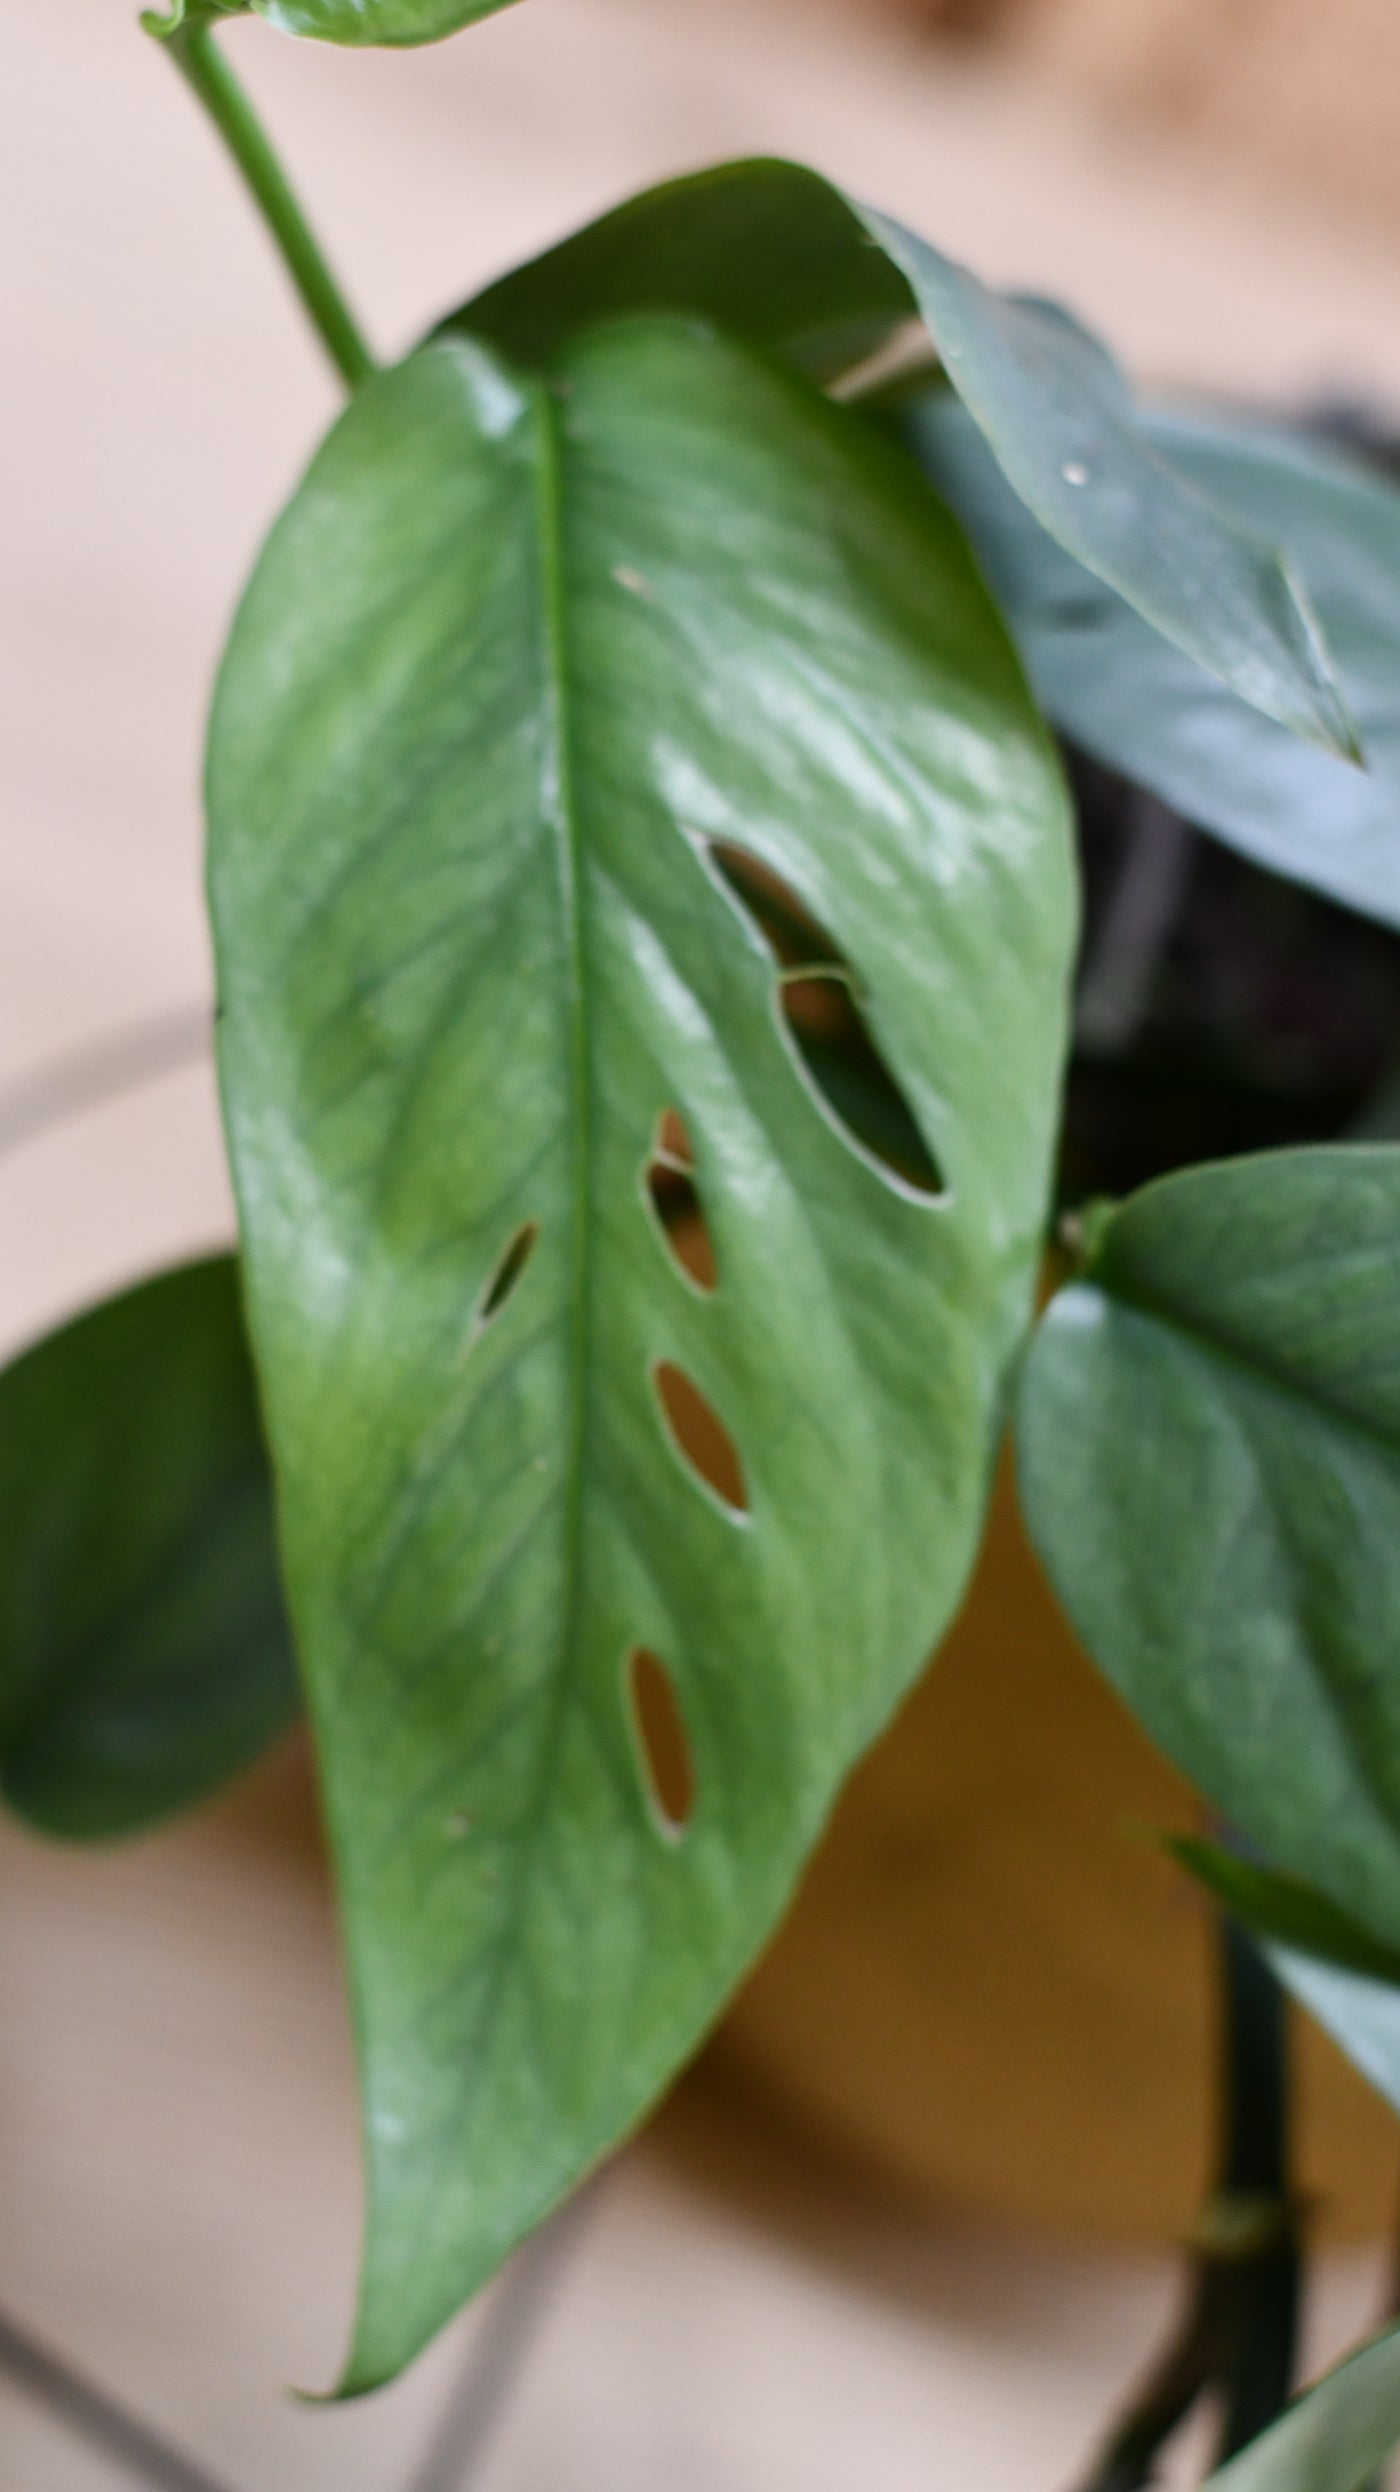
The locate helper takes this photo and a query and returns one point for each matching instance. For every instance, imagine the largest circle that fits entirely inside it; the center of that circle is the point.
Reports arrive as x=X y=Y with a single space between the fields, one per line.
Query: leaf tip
x=1330 y=723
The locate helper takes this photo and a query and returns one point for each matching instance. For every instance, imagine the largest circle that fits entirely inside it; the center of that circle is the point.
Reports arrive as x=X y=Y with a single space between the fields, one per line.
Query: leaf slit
x=700 y=1436
x=506 y=1273
x=663 y=1745
x=676 y=1204
x=819 y=997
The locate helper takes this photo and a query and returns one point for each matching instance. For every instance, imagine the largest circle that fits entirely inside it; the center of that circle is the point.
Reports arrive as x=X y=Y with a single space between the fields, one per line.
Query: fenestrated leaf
x=516 y=658
x=1337 y=1970
x=1209 y=1427
x=385 y=22
x=785 y=259
x=1125 y=694
x=144 y=1652
x=1335 y=2438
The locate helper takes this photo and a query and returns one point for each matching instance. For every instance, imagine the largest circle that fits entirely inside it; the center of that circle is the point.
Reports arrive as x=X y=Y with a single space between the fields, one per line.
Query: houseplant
x=526 y=633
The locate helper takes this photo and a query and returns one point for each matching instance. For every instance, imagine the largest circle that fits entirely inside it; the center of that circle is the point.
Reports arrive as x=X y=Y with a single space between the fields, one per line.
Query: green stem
x=1256 y=2377
x=198 y=57
x=1239 y=2330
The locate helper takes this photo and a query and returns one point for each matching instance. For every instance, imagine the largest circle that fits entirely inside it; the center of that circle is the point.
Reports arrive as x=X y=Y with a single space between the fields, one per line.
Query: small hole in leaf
x=790 y=930
x=670 y=1180
x=701 y=1436
x=819 y=995
x=508 y=1273
x=843 y=1061
x=668 y=1768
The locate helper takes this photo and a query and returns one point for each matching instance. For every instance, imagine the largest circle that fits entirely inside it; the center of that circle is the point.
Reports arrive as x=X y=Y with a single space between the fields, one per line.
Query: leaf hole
x=819 y=995
x=786 y=925
x=507 y=1273
x=670 y=1183
x=663 y=1745
x=700 y=1436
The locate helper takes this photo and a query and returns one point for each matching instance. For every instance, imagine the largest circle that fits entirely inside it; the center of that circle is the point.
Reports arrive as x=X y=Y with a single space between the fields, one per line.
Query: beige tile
x=734 y=2314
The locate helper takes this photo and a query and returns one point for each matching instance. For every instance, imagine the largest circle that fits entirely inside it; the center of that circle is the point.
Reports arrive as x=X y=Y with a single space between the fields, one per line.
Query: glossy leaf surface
x=782 y=257
x=1124 y=694
x=1335 y=2439
x=144 y=1651
x=1335 y=1968
x=518 y=657
x=1209 y=1431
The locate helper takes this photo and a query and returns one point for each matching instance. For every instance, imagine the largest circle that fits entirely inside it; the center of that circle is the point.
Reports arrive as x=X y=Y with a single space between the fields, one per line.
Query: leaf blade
x=1209 y=1425
x=1057 y=413
x=1334 y=2438
x=1143 y=708
x=395 y=24
x=1332 y=1966
x=801 y=267
x=586 y=633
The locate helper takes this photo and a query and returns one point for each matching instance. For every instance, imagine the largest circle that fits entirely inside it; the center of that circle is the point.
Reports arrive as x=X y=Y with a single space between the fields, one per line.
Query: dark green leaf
x=783 y=258
x=1334 y=2439
x=1123 y=693
x=144 y=1654
x=1348 y=1982
x=1361 y=2014
x=1210 y=1464
x=1284 y=1910
x=765 y=249
x=526 y=672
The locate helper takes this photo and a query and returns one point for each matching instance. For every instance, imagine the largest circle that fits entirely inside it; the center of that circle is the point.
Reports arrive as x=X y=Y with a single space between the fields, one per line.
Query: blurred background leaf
x=1144 y=707
x=1209 y=1459
x=144 y=1648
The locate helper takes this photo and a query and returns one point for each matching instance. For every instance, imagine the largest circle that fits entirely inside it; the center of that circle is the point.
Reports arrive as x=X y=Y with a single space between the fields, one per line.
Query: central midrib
x=559 y=810
x=559 y=813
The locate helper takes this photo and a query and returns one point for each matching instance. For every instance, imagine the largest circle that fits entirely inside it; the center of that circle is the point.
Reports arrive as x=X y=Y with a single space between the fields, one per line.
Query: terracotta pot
x=994 y=1986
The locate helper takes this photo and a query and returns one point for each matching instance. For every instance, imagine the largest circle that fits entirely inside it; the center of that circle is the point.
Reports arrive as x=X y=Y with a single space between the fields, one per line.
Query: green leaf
x=392 y=22
x=1209 y=1428
x=533 y=681
x=785 y=259
x=765 y=249
x=386 y=22
x=1335 y=1968
x=1335 y=2438
x=144 y=1653
x=1361 y=2014
x=1284 y=1910
x=1122 y=693
x=181 y=13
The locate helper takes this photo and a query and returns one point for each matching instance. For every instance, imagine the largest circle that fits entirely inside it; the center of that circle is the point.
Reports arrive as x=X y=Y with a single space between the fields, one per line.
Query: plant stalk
x=197 y=56
x=1258 y=2374
x=112 y=2429
x=1238 y=2334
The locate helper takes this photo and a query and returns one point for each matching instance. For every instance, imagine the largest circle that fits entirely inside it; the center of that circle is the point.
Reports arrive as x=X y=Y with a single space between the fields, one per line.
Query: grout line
x=476 y=2406
x=104 y=1069
x=96 y=2417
